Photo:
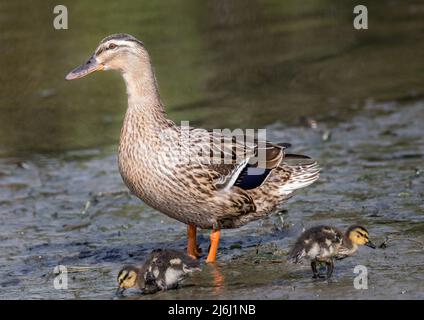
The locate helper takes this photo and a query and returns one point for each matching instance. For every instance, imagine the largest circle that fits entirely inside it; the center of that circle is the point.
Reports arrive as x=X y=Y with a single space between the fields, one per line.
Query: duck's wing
x=239 y=161
x=249 y=173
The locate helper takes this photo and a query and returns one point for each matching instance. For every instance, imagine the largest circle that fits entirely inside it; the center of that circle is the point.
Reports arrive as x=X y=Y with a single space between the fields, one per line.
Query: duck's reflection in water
x=218 y=279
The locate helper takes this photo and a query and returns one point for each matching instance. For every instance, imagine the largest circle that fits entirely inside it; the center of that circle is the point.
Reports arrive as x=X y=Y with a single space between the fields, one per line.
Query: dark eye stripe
x=362 y=235
x=121 y=279
x=102 y=49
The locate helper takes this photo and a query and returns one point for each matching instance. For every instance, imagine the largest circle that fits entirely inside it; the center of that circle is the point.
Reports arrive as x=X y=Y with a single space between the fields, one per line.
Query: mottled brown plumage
x=163 y=164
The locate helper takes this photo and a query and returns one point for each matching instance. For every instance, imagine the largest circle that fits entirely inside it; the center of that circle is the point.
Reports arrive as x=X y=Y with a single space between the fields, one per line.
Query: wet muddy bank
x=74 y=210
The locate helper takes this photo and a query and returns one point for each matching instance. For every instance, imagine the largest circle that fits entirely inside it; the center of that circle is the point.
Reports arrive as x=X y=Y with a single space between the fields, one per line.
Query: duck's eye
x=112 y=46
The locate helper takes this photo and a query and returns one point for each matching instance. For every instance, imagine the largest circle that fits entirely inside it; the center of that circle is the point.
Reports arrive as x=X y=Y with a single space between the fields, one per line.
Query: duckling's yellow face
x=360 y=236
x=127 y=278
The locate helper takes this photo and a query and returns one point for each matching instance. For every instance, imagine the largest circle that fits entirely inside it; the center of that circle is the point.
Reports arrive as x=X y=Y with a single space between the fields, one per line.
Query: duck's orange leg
x=192 y=249
x=214 y=246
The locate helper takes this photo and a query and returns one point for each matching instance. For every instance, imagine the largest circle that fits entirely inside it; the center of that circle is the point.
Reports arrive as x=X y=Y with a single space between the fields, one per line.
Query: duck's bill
x=119 y=291
x=89 y=67
x=371 y=245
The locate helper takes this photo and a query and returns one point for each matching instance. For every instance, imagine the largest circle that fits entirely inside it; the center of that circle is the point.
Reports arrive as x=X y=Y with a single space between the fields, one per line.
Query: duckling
x=162 y=270
x=323 y=243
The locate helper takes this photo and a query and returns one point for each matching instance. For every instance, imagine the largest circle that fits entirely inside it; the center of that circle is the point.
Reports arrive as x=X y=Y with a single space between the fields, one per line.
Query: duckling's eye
x=112 y=46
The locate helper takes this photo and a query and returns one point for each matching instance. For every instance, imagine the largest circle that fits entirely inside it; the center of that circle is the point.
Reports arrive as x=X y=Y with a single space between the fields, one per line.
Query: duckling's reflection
x=211 y=278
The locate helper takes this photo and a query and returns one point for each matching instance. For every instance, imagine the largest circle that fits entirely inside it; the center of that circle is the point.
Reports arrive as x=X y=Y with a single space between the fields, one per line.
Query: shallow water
x=265 y=64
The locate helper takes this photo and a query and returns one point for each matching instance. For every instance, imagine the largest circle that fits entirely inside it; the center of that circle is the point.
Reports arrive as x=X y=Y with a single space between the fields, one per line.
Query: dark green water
x=219 y=64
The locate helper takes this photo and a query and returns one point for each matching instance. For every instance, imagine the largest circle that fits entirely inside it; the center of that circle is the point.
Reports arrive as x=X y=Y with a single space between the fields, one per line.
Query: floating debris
x=309 y=122
x=326 y=136
x=383 y=245
x=404 y=194
x=47 y=93
x=23 y=165
x=257 y=247
x=71 y=227
x=236 y=245
x=386 y=241
x=95 y=198
x=86 y=207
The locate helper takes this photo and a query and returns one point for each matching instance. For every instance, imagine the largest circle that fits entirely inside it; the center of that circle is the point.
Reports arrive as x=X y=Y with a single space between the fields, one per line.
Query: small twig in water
x=109 y=194
x=257 y=246
x=87 y=205
x=384 y=244
x=94 y=198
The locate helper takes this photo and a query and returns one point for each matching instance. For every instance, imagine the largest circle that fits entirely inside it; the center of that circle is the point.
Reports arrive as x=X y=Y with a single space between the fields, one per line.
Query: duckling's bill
x=371 y=245
x=88 y=67
x=119 y=291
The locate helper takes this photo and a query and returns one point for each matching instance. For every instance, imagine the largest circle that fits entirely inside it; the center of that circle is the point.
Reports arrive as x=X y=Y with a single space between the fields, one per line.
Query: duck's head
x=115 y=52
x=127 y=278
x=358 y=235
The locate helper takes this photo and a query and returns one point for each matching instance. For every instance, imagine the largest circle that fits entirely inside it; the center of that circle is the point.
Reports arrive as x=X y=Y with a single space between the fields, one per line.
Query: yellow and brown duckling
x=162 y=270
x=322 y=244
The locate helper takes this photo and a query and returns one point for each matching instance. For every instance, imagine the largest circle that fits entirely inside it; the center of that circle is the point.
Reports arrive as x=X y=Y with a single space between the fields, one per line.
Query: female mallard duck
x=323 y=243
x=162 y=270
x=168 y=168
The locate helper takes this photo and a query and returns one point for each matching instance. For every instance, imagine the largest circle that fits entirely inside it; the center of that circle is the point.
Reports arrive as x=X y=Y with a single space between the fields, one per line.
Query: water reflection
x=227 y=63
x=218 y=279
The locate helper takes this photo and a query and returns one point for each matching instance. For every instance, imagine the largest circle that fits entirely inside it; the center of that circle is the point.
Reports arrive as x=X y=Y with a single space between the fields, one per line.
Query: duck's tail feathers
x=293 y=156
x=303 y=172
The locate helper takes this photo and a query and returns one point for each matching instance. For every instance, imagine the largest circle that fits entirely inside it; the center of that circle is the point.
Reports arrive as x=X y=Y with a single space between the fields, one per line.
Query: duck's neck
x=145 y=110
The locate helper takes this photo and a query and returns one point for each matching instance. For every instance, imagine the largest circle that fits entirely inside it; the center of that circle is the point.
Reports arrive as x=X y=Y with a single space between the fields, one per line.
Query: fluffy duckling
x=323 y=243
x=162 y=270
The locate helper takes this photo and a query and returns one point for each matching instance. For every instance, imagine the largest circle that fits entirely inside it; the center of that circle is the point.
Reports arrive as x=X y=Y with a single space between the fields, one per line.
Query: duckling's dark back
x=313 y=236
x=170 y=256
x=164 y=268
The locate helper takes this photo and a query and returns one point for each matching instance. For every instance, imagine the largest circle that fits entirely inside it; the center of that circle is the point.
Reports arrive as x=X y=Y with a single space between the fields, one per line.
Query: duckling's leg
x=314 y=269
x=214 y=245
x=192 y=248
x=330 y=267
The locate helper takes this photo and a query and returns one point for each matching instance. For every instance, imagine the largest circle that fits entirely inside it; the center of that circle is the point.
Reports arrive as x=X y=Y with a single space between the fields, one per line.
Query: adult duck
x=236 y=180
